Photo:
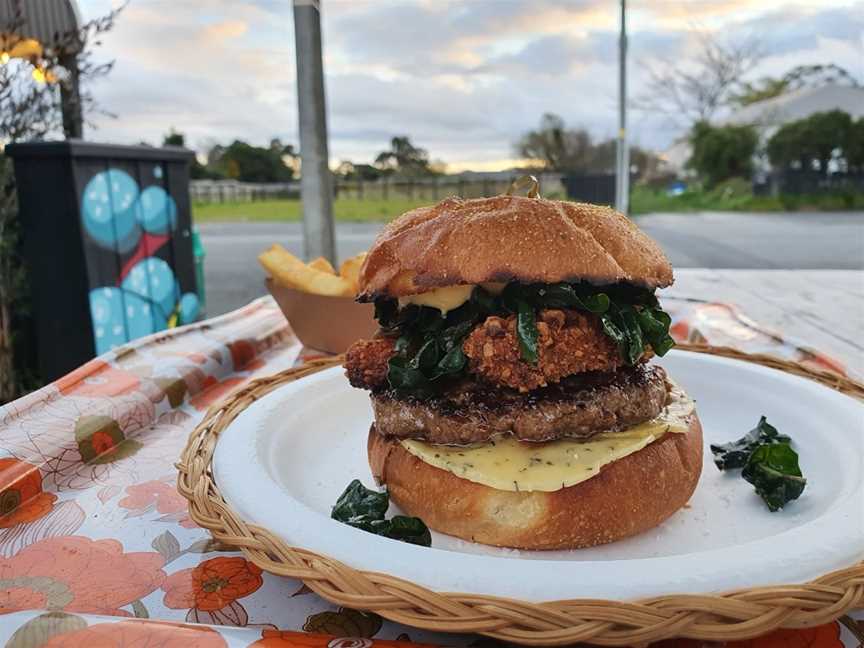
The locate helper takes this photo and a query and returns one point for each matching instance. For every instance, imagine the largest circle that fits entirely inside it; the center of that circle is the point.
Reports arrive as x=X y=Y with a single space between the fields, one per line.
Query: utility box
x=107 y=241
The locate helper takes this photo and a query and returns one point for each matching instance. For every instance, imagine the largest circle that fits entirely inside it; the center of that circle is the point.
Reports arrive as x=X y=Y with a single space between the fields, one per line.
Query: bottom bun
x=628 y=496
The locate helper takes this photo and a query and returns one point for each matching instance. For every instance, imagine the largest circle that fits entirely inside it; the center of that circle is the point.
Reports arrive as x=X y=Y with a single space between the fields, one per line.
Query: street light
x=32 y=30
x=622 y=166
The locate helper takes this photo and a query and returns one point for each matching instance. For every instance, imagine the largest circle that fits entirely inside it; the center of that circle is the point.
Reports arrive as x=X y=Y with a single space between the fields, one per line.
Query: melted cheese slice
x=507 y=464
x=448 y=298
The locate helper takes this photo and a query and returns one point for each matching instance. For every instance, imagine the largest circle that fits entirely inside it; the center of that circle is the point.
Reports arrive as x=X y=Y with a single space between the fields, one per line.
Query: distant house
x=770 y=114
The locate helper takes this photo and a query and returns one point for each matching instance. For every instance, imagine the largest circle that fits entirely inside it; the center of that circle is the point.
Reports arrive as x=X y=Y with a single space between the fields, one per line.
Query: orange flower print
x=21 y=496
x=242 y=353
x=824 y=636
x=680 y=330
x=139 y=634
x=213 y=391
x=212 y=585
x=97 y=378
x=100 y=440
x=77 y=574
x=289 y=639
x=162 y=496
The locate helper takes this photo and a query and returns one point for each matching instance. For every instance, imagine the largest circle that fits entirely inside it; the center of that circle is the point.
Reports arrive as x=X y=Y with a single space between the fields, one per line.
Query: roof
x=799 y=104
x=43 y=19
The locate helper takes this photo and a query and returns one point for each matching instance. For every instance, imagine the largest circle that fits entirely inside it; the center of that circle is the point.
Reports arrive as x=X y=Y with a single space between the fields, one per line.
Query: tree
x=695 y=91
x=814 y=141
x=723 y=152
x=248 y=163
x=855 y=152
x=404 y=159
x=801 y=76
x=558 y=148
x=173 y=138
x=30 y=110
x=555 y=146
x=197 y=171
x=351 y=171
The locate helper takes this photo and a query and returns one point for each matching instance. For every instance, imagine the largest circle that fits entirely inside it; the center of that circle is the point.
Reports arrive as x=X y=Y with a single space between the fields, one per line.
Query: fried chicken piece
x=366 y=362
x=569 y=343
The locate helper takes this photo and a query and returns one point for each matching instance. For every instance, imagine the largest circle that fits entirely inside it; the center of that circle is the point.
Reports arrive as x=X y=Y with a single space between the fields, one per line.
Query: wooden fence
x=429 y=189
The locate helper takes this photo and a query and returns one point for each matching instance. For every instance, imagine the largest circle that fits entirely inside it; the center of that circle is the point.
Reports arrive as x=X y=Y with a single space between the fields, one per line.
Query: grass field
x=642 y=201
x=345 y=209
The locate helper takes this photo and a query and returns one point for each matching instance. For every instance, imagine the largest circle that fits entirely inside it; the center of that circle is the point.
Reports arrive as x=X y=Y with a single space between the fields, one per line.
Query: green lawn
x=643 y=200
x=345 y=209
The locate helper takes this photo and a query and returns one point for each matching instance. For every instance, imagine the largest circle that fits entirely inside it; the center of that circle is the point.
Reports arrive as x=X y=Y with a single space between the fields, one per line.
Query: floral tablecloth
x=96 y=544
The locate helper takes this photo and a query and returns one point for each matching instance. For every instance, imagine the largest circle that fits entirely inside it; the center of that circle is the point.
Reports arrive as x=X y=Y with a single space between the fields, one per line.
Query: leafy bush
x=818 y=139
x=722 y=152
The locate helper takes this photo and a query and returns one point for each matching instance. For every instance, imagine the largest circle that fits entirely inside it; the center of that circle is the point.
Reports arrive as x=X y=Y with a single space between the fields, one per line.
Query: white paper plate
x=283 y=462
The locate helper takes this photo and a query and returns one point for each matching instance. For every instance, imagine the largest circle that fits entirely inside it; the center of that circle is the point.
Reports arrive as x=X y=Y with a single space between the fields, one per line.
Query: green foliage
x=801 y=76
x=560 y=148
x=855 y=148
x=248 y=163
x=816 y=140
x=736 y=195
x=722 y=152
x=404 y=159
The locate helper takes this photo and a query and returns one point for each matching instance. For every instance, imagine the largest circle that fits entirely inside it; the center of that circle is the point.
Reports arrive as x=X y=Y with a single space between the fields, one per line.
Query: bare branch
x=695 y=91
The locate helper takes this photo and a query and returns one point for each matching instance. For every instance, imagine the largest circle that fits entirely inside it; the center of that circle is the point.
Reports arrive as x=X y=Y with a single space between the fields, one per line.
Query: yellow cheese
x=444 y=299
x=448 y=298
x=507 y=464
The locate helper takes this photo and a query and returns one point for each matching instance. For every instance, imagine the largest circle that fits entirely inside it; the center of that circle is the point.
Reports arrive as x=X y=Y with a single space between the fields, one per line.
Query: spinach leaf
x=768 y=462
x=357 y=501
x=408 y=529
x=428 y=348
x=736 y=453
x=655 y=327
x=365 y=509
x=773 y=469
x=526 y=332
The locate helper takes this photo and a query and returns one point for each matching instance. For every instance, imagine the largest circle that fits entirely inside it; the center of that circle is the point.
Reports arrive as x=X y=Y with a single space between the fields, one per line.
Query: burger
x=515 y=401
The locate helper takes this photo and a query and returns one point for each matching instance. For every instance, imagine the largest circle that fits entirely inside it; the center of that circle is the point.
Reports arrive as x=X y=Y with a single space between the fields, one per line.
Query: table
x=94 y=539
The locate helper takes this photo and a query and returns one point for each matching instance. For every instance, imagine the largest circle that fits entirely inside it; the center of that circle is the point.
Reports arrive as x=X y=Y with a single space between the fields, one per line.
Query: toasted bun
x=509 y=238
x=627 y=497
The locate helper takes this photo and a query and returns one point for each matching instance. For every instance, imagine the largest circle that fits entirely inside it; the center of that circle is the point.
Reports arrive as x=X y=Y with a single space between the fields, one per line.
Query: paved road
x=704 y=240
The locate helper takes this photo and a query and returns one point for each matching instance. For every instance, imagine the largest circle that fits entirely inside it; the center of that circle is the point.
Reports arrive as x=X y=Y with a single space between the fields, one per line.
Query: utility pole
x=316 y=189
x=622 y=166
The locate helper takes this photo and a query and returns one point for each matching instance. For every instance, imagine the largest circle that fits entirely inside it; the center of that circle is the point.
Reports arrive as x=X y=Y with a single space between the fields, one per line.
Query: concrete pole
x=315 y=183
x=622 y=167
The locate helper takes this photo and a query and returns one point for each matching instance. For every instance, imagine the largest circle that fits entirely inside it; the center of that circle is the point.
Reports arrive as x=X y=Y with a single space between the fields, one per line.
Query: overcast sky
x=462 y=79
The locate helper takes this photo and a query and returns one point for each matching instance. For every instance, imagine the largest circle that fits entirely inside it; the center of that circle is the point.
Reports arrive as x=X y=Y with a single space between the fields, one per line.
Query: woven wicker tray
x=734 y=615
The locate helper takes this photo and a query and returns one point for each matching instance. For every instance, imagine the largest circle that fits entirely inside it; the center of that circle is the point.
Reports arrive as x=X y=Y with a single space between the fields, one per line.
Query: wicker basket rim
x=726 y=616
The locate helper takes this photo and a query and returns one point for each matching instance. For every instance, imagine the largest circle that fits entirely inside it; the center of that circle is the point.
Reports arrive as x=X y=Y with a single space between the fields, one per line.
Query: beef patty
x=577 y=407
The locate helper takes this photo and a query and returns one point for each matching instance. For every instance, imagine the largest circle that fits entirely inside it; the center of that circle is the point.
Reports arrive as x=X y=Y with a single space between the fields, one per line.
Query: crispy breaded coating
x=366 y=362
x=569 y=343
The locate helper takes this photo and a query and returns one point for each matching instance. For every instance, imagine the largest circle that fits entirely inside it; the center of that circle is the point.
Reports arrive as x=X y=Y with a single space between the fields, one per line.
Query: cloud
x=463 y=79
x=226 y=30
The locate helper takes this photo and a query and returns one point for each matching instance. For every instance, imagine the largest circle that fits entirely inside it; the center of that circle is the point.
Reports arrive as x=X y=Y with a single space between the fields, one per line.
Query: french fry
x=290 y=271
x=350 y=269
x=323 y=265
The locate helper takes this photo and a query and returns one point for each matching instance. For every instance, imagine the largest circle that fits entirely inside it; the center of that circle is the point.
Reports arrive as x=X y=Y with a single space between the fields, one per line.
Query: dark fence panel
x=809 y=182
x=598 y=188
